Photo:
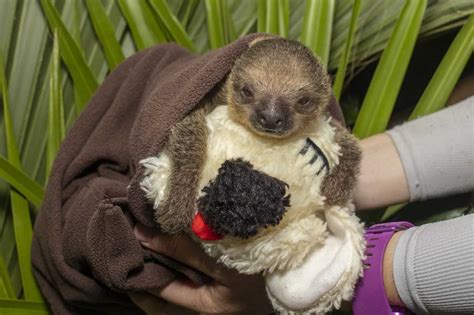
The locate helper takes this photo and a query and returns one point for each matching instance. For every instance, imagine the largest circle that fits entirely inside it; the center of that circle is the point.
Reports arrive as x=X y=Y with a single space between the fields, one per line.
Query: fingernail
x=145 y=244
x=142 y=233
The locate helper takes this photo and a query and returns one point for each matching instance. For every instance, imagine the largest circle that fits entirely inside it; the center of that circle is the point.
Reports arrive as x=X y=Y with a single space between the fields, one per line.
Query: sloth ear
x=262 y=37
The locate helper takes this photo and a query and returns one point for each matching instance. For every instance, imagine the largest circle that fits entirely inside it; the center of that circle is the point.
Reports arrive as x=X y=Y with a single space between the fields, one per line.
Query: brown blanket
x=85 y=255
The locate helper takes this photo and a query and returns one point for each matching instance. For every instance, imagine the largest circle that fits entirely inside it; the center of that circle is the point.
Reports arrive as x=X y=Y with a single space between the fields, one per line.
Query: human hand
x=228 y=293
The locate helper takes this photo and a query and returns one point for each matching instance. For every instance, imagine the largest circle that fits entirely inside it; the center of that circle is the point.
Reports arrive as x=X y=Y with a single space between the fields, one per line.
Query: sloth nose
x=271 y=119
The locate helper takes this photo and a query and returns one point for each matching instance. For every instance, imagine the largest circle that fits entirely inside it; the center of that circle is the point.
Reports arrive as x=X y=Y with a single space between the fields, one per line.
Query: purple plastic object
x=370 y=297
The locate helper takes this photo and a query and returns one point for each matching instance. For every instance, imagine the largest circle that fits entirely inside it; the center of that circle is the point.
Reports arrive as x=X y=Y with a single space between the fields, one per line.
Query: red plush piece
x=202 y=230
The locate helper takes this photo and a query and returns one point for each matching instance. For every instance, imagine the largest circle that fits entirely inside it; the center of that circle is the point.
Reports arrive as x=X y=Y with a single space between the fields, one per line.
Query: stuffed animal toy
x=262 y=203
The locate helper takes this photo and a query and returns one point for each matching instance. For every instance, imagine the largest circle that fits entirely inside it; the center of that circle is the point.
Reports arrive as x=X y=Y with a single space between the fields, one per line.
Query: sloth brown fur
x=276 y=89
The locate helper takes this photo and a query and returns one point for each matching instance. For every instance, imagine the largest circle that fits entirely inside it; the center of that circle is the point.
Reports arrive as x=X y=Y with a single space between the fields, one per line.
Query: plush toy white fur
x=312 y=258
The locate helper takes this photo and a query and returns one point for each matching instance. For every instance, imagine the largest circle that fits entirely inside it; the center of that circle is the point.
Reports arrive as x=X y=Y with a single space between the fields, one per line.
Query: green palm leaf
x=283 y=17
x=6 y=286
x=143 y=26
x=272 y=17
x=56 y=113
x=228 y=25
x=244 y=17
x=383 y=90
x=442 y=83
x=172 y=24
x=17 y=178
x=25 y=68
x=262 y=16
x=215 y=17
x=19 y=206
x=84 y=80
x=17 y=307
x=23 y=236
x=105 y=32
x=190 y=7
x=7 y=17
x=341 y=70
x=317 y=27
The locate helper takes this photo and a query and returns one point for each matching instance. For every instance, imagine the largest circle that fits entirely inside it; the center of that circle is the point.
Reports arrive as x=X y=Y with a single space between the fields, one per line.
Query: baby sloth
x=278 y=90
x=265 y=181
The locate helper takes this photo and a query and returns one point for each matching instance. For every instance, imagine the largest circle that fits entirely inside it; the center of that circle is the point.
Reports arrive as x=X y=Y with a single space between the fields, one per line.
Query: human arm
x=382 y=180
x=430 y=157
x=430 y=268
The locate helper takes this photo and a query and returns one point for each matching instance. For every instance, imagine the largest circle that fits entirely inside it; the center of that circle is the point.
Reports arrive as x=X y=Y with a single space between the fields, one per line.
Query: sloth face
x=277 y=88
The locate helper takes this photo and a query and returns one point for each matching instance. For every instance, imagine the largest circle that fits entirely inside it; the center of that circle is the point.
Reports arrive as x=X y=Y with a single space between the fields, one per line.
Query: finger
x=153 y=305
x=203 y=299
x=182 y=248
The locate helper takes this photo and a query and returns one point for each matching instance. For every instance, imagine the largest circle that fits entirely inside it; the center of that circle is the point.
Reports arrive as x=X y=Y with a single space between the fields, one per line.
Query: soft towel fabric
x=84 y=253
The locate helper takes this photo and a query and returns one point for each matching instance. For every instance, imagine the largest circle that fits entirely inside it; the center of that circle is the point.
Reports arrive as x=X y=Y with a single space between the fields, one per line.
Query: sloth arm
x=339 y=184
x=187 y=147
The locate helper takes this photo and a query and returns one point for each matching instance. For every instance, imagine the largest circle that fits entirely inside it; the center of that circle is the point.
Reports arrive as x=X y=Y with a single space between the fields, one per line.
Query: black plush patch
x=317 y=153
x=240 y=200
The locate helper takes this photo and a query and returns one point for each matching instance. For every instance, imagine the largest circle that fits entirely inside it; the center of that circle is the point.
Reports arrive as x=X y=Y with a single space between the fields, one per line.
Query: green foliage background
x=54 y=54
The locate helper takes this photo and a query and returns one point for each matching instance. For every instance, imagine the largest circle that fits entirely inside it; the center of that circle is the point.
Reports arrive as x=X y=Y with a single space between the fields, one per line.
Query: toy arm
x=339 y=184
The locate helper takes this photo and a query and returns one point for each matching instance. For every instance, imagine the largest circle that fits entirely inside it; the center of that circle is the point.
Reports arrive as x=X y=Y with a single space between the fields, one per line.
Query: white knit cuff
x=433 y=267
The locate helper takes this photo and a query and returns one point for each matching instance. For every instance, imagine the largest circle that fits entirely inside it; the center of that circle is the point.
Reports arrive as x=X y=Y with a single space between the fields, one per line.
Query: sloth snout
x=273 y=115
x=270 y=119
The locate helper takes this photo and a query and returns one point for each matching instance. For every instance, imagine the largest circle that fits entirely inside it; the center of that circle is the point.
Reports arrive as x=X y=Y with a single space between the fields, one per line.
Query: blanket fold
x=84 y=252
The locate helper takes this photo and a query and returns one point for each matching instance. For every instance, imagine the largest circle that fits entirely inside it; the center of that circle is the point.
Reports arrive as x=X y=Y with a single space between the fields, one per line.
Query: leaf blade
x=105 y=32
x=12 y=149
x=317 y=27
x=14 y=306
x=20 y=210
x=229 y=27
x=386 y=82
x=172 y=24
x=214 y=24
x=189 y=10
x=283 y=17
x=144 y=28
x=56 y=128
x=6 y=286
x=72 y=56
x=262 y=15
x=344 y=60
x=7 y=18
x=23 y=236
x=271 y=17
x=22 y=182
x=448 y=72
